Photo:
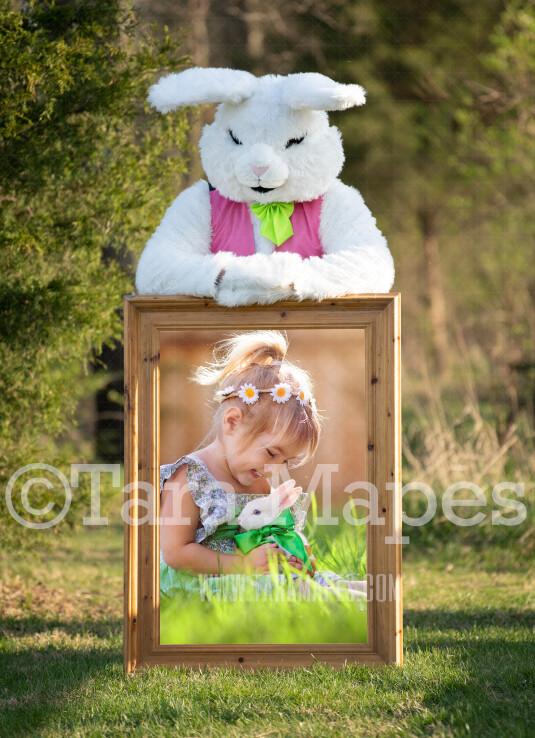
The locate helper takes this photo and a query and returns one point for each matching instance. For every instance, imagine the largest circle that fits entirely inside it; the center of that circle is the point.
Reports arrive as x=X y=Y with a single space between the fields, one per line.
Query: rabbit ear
x=201 y=86
x=286 y=494
x=317 y=92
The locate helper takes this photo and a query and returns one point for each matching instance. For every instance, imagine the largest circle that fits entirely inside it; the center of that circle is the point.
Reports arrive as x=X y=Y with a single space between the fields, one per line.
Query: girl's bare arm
x=179 y=520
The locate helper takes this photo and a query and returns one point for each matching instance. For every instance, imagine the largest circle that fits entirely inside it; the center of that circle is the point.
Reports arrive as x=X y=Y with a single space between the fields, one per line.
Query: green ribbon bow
x=275 y=217
x=281 y=531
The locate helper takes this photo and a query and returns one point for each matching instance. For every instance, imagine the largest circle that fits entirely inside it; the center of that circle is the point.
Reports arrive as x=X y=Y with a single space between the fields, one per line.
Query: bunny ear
x=199 y=86
x=286 y=494
x=317 y=92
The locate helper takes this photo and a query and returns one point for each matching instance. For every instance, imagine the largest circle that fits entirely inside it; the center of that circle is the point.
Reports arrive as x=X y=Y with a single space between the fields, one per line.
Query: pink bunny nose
x=259 y=170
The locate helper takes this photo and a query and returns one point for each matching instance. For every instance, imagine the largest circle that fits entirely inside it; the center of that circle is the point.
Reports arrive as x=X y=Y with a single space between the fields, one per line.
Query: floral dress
x=218 y=507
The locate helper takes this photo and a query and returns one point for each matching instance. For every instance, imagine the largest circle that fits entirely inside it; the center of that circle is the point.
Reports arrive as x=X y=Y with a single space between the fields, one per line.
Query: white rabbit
x=258 y=513
x=270 y=142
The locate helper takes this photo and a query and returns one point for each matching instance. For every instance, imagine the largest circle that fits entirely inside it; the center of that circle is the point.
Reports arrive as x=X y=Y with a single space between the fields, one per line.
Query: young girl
x=266 y=418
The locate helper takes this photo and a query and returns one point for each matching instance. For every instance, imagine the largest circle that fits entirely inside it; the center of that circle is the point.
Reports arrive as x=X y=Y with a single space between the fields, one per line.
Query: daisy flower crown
x=280 y=393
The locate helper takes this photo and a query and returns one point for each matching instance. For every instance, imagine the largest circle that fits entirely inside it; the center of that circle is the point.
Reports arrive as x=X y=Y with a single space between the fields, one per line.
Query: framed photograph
x=299 y=561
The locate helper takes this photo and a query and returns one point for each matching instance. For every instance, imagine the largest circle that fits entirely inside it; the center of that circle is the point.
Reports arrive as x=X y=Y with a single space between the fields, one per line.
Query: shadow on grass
x=463 y=620
x=461 y=676
x=43 y=661
x=104 y=627
x=475 y=667
x=37 y=684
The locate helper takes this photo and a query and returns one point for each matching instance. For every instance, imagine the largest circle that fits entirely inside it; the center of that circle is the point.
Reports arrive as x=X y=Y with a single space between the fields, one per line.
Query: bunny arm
x=260 y=278
x=176 y=259
x=356 y=256
x=356 y=260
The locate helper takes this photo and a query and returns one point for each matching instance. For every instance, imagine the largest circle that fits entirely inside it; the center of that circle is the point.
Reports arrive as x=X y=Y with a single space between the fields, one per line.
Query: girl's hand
x=298 y=564
x=258 y=559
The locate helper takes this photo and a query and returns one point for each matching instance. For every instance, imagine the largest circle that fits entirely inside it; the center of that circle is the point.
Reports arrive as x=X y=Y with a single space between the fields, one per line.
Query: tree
x=401 y=149
x=85 y=173
x=495 y=116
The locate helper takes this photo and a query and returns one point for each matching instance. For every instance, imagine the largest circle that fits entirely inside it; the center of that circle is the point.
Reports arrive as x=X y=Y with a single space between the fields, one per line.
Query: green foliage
x=237 y=611
x=497 y=159
x=85 y=173
x=447 y=132
x=452 y=439
x=340 y=548
x=281 y=619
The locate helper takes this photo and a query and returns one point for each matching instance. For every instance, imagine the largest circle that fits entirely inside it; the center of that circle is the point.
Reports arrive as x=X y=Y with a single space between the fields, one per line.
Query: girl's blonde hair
x=248 y=358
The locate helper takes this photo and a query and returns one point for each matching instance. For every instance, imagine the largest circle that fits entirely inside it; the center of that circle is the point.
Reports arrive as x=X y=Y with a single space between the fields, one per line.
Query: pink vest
x=232 y=228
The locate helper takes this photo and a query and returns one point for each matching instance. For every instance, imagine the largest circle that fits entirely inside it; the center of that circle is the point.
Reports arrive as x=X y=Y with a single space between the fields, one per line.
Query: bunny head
x=258 y=513
x=270 y=140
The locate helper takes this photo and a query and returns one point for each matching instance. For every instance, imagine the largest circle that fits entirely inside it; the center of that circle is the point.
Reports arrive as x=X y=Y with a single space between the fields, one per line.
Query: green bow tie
x=281 y=530
x=275 y=217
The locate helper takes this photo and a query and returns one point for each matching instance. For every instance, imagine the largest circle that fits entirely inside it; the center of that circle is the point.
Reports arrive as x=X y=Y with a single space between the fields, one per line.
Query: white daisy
x=303 y=397
x=225 y=392
x=281 y=392
x=248 y=393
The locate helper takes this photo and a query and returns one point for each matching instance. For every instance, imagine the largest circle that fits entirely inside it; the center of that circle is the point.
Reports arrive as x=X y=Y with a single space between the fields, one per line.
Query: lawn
x=469 y=658
x=251 y=615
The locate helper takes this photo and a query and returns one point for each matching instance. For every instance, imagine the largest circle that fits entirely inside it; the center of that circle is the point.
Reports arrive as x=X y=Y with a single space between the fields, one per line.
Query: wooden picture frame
x=144 y=318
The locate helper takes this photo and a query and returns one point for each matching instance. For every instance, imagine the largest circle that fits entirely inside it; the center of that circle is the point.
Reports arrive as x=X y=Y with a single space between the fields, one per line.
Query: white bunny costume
x=270 y=142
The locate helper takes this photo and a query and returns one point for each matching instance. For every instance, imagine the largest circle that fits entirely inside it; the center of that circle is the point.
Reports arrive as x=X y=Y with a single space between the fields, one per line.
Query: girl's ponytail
x=238 y=352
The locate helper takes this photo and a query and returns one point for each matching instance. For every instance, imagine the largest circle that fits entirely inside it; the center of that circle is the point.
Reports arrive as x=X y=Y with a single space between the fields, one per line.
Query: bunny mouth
x=263 y=189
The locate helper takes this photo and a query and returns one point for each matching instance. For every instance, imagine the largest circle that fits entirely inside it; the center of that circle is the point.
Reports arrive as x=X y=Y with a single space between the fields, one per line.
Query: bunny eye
x=233 y=137
x=294 y=141
x=256 y=512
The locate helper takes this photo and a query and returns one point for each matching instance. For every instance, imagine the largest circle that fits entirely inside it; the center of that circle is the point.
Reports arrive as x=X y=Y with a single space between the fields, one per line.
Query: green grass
x=280 y=616
x=469 y=658
x=188 y=620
